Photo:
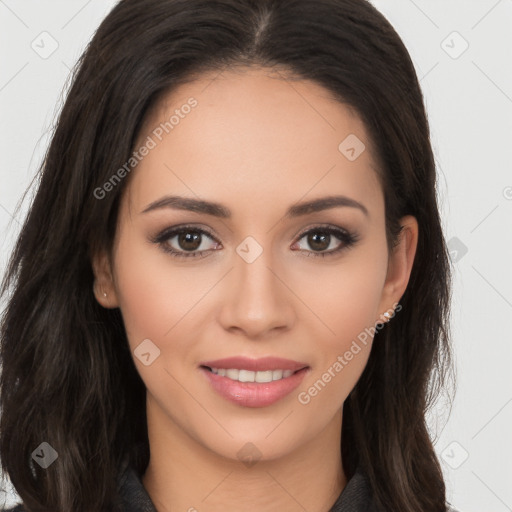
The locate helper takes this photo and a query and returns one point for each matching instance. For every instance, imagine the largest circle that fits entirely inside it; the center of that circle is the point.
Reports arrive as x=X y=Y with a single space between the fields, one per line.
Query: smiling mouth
x=250 y=382
x=252 y=376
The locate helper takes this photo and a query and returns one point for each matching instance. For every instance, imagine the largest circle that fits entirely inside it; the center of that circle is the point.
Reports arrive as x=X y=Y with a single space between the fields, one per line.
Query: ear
x=103 y=288
x=399 y=266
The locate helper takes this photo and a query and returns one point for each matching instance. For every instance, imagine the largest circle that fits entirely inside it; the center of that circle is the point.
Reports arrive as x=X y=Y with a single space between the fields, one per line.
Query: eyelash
x=348 y=239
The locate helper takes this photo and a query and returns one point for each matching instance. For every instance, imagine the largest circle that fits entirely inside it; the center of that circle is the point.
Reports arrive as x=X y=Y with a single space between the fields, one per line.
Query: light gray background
x=469 y=103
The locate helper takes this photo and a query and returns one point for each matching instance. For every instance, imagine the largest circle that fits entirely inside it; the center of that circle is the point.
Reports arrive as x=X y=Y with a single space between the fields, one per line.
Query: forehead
x=250 y=135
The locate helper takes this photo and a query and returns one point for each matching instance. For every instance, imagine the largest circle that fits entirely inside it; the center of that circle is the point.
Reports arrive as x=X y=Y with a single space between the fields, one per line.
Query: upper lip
x=255 y=365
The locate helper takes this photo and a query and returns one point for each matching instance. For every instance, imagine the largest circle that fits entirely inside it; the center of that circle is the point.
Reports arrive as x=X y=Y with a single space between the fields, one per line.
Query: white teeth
x=246 y=376
x=277 y=374
x=250 y=376
x=232 y=374
x=264 y=376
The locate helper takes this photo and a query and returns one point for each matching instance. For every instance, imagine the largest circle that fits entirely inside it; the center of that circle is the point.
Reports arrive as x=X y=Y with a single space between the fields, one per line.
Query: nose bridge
x=253 y=270
x=258 y=300
x=257 y=283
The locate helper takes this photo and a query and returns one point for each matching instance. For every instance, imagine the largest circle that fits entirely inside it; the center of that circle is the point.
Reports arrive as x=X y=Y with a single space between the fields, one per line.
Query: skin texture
x=257 y=144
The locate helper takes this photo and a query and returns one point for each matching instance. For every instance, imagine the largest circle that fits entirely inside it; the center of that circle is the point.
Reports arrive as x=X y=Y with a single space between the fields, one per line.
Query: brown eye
x=319 y=242
x=189 y=242
x=320 y=239
x=185 y=241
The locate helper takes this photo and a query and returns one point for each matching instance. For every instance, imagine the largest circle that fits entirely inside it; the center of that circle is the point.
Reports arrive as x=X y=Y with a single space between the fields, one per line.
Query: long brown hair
x=68 y=377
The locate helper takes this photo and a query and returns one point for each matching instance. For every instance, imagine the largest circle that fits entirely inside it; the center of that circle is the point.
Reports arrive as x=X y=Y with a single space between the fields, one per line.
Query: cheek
x=154 y=295
x=325 y=392
x=346 y=297
x=342 y=354
x=347 y=303
x=154 y=299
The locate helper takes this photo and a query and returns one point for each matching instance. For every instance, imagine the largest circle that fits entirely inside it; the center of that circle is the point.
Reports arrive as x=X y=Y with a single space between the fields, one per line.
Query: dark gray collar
x=355 y=497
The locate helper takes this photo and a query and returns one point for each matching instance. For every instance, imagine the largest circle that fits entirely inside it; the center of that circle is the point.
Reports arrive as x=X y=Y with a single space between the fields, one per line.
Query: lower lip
x=254 y=394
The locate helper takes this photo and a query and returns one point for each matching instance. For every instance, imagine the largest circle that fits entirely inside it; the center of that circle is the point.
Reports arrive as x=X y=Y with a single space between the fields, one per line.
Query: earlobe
x=400 y=263
x=103 y=287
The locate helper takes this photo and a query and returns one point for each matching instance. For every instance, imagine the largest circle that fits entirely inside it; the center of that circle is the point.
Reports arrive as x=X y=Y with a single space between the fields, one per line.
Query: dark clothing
x=355 y=497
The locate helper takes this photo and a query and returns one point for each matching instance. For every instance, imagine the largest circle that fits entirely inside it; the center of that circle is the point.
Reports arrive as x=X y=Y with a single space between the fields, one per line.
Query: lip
x=256 y=365
x=254 y=394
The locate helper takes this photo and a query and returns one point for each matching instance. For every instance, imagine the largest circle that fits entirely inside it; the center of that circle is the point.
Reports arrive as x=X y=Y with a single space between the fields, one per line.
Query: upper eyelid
x=171 y=232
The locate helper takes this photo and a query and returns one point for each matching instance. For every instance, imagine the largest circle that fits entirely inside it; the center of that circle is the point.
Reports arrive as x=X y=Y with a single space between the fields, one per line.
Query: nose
x=257 y=302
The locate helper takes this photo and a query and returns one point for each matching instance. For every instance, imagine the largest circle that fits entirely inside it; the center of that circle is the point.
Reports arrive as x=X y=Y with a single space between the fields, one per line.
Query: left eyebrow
x=219 y=210
x=324 y=203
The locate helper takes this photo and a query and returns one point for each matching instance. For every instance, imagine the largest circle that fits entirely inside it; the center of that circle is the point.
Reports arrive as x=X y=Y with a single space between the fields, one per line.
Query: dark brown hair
x=68 y=377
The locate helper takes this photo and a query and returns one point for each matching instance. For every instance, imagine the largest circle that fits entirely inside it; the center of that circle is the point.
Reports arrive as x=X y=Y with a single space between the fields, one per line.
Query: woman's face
x=255 y=275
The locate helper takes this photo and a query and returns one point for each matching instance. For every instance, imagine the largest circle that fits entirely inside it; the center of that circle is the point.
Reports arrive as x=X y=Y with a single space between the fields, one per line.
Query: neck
x=183 y=474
